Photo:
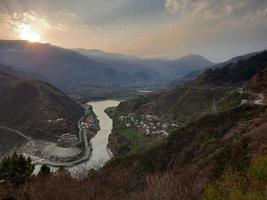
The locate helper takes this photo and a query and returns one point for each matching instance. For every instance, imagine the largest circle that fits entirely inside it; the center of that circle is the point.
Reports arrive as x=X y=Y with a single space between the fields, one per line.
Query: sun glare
x=27 y=33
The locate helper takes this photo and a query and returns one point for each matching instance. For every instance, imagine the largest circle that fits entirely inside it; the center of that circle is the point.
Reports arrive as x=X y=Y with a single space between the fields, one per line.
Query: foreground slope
x=193 y=157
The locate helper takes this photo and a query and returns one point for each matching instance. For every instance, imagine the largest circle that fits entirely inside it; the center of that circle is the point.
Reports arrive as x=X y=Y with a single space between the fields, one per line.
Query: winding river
x=100 y=154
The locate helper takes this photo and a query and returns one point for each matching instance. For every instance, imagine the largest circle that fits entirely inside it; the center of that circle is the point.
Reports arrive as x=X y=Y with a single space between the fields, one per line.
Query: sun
x=27 y=33
x=31 y=36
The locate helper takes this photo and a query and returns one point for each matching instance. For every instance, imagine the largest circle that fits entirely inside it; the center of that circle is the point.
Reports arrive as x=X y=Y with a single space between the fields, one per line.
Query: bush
x=16 y=169
x=211 y=193
x=259 y=169
x=45 y=170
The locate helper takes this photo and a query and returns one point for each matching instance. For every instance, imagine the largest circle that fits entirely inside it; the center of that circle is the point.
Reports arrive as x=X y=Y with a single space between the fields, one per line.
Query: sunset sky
x=216 y=29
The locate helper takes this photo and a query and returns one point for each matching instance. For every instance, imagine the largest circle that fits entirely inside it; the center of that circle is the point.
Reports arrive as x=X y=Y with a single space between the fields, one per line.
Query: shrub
x=45 y=170
x=211 y=193
x=16 y=169
x=259 y=169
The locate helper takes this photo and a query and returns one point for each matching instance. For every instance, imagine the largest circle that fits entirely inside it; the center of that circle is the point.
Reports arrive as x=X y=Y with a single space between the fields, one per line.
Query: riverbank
x=100 y=153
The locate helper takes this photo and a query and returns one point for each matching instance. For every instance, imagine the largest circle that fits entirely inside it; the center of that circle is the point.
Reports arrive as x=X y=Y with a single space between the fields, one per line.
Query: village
x=89 y=121
x=149 y=125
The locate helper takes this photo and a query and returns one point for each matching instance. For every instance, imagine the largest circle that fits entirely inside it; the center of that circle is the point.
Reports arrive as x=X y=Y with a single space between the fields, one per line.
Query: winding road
x=86 y=156
x=17 y=132
x=38 y=160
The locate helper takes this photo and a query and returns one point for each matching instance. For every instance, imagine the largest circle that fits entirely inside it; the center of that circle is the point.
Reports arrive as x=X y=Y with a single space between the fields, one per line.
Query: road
x=86 y=156
x=38 y=160
x=257 y=101
x=17 y=132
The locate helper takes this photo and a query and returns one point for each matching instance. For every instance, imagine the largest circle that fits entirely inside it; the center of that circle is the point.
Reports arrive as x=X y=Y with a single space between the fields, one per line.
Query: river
x=100 y=154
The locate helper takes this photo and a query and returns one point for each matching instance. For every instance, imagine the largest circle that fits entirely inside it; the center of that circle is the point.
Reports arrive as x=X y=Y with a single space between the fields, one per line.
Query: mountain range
x=213 y=147
x=164 y=69
x=85 y=72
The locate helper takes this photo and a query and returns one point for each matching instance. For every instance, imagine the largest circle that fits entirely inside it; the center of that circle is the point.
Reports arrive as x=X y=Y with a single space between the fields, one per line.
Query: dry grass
x=165 y=186
x=116 y=186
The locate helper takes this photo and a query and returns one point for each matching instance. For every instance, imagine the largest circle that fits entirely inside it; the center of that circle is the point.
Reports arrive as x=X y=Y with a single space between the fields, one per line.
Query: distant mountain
x=160 y=69
x=93 y=73
x=125 y=64
x=194 y=74
x=106 y=55
x=173 y=69
x=235 y=72
x=28 y=105
x=66 y=69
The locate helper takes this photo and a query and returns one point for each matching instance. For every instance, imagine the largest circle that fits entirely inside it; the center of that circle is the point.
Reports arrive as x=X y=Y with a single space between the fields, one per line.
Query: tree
x=45 y=170
x=16 y=169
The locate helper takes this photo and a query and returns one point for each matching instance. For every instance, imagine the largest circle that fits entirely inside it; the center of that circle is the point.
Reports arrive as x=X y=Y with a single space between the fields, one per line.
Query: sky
x=216 y=29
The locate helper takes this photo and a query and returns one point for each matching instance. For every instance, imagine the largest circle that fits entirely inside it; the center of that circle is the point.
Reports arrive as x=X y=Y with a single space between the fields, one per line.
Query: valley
x=191 y=133
x=133 y=100
x=87 y=75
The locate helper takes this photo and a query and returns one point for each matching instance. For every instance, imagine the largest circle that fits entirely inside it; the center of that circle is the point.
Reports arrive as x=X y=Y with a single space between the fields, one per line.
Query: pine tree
x=16 y=169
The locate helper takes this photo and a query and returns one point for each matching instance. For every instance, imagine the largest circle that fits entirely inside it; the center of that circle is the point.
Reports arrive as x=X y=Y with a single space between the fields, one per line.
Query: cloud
x=172 y=5
x=226 y=7
x=219 y=29
x=212 y=16
x=143 y=27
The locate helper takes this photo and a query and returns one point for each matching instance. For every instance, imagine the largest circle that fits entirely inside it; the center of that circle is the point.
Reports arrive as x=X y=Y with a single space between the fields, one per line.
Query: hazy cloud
x=216 y=29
